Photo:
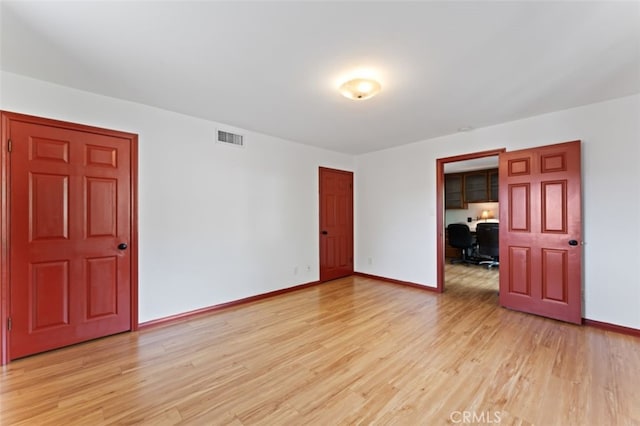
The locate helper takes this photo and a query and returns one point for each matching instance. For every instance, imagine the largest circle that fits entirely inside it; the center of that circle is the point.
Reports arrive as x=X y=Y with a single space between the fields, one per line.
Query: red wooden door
x=336 y=224
x=541 y=231
x=70 y=210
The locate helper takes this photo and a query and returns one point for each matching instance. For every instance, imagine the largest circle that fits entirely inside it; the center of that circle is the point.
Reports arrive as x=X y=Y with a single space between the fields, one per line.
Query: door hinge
x=9 y=145
x=9 y=323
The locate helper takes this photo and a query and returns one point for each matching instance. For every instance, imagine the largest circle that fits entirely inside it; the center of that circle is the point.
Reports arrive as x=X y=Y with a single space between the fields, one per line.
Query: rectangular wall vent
x=230 y=138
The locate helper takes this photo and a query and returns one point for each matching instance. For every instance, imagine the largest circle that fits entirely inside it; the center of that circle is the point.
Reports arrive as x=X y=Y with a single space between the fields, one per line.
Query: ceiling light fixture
x=360 y=88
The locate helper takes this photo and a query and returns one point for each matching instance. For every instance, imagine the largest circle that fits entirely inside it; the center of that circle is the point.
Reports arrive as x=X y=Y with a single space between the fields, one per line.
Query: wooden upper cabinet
x=475 y=186
x=479 y=186
x=492 y=176
x=453 y=195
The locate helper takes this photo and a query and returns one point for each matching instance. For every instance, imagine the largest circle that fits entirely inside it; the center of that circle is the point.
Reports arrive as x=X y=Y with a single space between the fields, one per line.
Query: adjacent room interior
x=471 y=197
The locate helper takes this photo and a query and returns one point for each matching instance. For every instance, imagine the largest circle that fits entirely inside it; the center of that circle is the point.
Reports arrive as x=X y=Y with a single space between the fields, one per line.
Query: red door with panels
x=70 y=211
x=336 y=224
x=541 y=238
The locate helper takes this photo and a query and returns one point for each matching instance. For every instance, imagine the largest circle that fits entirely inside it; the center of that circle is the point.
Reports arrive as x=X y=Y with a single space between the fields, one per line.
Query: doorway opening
x=462 y=166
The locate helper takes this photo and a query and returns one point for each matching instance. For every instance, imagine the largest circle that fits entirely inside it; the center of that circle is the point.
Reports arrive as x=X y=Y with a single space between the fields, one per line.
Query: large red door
x=336 y=224
x=541 y=231
x=70 y=227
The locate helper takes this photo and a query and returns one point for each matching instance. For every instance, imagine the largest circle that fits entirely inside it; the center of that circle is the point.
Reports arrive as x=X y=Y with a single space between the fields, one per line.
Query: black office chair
x=487 y=234
x=460 y=237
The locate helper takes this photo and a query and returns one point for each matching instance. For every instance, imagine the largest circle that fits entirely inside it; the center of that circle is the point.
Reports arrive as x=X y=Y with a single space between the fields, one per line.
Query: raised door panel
x=49 y=291
x=48 y=206
x=554 y=207
x=519 y=165
x=101 y=287
x=101 y=207
x=519 y=207
x=101 y=156
x=519 y=270
x=46 y=149
x=555 y=278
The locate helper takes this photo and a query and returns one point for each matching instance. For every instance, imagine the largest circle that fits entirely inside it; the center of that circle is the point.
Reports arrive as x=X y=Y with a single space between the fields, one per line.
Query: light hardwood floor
x=352 y=351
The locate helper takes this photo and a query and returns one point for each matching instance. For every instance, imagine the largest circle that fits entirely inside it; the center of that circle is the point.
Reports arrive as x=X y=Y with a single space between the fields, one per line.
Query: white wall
x=396 y=201
x=216 y=223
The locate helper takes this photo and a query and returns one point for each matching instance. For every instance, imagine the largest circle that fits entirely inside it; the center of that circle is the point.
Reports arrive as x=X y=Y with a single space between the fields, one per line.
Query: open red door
x=541 y=231
x=336 y=224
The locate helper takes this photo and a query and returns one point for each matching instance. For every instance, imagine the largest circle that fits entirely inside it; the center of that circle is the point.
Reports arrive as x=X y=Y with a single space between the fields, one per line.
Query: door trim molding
x=611 y=327
x=440 y=162
x=5 y=221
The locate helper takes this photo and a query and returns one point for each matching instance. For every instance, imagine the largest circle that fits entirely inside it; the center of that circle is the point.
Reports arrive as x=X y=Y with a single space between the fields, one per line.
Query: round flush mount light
x=360 y=88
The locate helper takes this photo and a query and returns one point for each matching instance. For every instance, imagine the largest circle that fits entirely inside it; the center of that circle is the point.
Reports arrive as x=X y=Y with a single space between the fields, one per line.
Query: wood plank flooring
x=352 y=351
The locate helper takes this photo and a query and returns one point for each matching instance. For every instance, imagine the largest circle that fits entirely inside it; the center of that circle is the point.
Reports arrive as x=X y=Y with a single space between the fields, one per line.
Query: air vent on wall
x=230 y=138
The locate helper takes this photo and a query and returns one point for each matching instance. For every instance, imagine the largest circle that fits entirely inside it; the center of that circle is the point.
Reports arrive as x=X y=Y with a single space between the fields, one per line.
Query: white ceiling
x=274 y=67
